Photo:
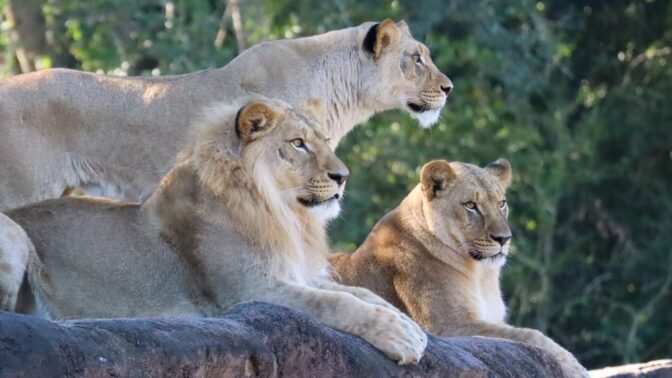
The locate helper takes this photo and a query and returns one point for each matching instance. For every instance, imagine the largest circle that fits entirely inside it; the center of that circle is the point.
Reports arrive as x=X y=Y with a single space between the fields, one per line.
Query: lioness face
x=465 y=207
x=303 y=166
x=407 y=77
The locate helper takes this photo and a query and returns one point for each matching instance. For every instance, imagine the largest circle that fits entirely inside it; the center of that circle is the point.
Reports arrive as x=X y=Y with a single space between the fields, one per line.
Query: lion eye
x=299 y=144
x=502 y=204
x=470 y=205
x=417 y=57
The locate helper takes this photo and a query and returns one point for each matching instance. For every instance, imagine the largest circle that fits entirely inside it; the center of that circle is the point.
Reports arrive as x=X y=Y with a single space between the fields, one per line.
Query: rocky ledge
x=653 y=369
x=252 y=339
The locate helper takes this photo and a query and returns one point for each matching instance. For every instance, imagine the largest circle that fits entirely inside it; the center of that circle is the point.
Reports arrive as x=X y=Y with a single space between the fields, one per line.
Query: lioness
x=438 y=256
x=240 y=217
x=62 y=128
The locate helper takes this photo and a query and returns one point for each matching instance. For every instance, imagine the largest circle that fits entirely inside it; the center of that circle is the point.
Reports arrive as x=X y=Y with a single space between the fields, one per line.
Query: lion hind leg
x=15 y=248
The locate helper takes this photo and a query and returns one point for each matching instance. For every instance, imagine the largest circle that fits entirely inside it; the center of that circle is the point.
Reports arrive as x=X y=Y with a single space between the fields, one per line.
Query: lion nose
x=501 y=239
x=447 y=88
x=338 y=177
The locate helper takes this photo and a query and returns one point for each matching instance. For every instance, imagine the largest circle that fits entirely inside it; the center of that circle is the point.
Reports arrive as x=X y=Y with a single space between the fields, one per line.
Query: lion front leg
x=396 y=336
x=15 y=247
x=570 y=365
x=364 y=294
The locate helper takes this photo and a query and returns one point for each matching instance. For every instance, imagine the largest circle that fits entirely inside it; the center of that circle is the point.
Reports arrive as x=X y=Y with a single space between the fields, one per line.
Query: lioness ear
x=317 y=109
x=501 y=168
x=403 y=26
x=380 y=37
x=435 y=177
x=255 y=120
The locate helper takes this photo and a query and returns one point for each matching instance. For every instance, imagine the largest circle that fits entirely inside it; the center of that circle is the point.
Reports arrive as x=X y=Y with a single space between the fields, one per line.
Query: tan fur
x=437 y=258
x=240 y=217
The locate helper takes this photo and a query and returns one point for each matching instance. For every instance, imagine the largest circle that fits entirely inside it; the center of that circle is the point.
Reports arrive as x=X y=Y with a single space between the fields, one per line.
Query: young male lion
x=438 y=256
x=241 y=217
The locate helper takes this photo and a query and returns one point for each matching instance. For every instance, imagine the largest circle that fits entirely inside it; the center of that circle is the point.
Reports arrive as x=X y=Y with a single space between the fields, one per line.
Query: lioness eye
x=502 y=204
x=299 y=144
x=470 y=205
x=418 y=58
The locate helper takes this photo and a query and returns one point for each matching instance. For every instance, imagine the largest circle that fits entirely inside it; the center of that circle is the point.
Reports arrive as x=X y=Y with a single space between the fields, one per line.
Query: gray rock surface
x=653 y=369
x=252 y=339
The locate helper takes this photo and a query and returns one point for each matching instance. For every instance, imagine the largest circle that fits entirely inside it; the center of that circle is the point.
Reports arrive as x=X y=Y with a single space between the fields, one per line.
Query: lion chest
x=489 y=302
x=491 y=311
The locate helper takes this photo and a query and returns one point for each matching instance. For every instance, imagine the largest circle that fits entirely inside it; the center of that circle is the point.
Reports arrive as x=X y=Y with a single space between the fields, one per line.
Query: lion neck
x=331 y=67
x=293 y=243
x=413 y=217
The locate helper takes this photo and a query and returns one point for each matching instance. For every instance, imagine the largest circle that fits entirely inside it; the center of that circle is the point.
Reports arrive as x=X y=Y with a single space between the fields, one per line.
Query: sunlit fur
x=435 y=256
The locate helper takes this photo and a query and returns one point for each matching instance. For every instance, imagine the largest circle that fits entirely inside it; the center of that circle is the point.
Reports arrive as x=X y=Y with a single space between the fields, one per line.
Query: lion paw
x=400 y=338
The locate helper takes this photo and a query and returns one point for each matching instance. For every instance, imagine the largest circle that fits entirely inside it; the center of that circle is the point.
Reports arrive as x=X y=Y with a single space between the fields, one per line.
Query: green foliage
x=574 y=93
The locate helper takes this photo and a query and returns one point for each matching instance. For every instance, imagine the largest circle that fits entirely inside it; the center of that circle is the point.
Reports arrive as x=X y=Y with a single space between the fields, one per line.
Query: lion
x=438 y=256
x=118 y=136
x=240 y=217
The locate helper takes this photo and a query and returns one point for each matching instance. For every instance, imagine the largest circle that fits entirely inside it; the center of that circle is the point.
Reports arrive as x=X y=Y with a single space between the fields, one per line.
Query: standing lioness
x=439 y=254
x=241 y=217
x=63 y=128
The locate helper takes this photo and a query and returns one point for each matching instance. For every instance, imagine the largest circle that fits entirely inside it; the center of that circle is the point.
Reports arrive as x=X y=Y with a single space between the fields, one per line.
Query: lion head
x=405 y=76
x=465 y=207
x=271 y=165
x=274 y=150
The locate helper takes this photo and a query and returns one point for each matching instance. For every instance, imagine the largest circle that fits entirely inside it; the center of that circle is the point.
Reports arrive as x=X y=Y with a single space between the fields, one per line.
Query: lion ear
x=403 y=26
x=317 y=109
x=255 y=120
x=501 y=168
x=435 y=177
x=380 y=37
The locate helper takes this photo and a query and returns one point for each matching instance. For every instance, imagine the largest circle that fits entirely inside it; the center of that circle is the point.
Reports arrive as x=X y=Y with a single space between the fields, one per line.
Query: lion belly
x=108 y=267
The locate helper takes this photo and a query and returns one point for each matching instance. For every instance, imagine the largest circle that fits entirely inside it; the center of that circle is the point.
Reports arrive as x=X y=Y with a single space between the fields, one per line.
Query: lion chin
x=325 y=210
x=425 y=116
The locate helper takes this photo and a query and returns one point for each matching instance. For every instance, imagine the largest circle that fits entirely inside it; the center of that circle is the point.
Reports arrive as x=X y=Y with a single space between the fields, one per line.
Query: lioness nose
x=501 y=239
x=447 y=88
x=338 y=177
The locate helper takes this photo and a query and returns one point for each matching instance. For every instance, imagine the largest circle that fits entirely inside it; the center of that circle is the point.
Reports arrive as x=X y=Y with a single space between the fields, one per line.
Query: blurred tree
x=30 y=39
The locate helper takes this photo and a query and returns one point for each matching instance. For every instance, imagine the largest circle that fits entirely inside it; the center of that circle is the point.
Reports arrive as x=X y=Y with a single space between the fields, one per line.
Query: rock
x=653 y=369
x=252 y=339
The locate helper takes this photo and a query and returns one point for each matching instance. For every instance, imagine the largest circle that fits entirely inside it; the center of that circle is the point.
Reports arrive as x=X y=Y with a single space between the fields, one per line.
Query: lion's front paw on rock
x=400 y=339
